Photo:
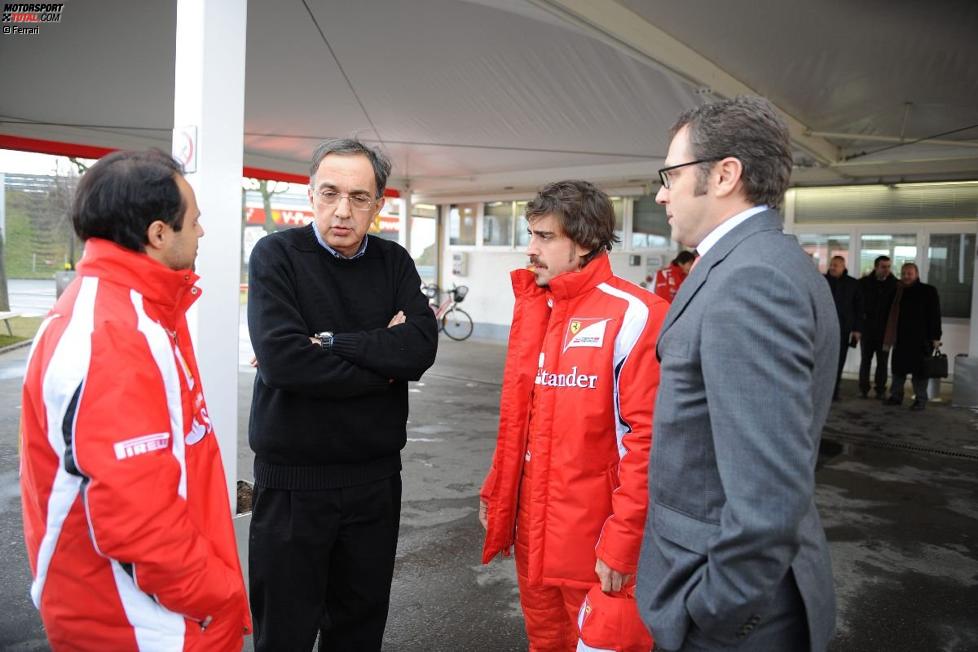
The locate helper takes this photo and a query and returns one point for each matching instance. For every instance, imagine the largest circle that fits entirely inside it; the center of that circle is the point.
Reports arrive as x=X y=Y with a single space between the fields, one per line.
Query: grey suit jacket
x=748 y=355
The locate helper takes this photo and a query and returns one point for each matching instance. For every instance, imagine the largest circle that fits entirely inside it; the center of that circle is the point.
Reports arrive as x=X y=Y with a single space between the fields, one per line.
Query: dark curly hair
x=584 y=212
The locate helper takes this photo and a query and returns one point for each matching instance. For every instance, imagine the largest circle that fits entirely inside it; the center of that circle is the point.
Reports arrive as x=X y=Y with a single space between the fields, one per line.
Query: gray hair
x=749 y=129
x=352 y=147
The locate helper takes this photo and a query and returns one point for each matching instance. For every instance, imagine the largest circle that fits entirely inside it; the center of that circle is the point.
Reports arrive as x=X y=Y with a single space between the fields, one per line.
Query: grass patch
x=31 y=248
x=24 y=328
x=7 y=340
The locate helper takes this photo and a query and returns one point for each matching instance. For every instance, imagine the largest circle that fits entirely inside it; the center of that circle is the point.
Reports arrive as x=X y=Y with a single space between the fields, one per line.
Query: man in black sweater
x=849 y=307
x=339 y=326
x=877 y=289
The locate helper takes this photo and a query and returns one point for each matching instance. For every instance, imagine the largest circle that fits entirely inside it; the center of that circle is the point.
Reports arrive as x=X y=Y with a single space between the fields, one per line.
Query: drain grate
x=899 y=445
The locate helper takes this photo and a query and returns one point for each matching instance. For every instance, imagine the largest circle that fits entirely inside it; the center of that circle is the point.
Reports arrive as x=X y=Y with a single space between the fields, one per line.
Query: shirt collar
x=726 y=227
x=362 y=250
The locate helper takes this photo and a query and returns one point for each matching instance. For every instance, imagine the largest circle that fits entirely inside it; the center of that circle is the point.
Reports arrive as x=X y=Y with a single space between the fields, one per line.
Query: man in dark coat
x=849 y=306
x=877 y=289
x=913 y=329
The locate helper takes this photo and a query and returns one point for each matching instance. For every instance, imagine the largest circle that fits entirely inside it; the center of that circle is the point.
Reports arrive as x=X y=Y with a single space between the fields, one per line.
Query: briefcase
x=935 y=364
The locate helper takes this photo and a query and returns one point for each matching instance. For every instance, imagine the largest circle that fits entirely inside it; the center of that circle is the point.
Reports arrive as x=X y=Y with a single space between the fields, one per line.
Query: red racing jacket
x=667 y=281
x=582 y=358
x=126 y=513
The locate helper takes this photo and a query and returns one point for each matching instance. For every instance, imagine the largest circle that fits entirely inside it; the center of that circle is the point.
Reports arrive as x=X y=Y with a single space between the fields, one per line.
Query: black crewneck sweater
x=322 y=419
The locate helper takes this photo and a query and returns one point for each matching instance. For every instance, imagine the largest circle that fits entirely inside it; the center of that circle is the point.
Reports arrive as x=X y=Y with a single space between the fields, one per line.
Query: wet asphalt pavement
x=897 y=492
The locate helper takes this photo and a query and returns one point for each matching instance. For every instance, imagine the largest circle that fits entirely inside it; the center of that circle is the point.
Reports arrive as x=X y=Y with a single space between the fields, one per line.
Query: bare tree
x=59 y=208
x=268 y=189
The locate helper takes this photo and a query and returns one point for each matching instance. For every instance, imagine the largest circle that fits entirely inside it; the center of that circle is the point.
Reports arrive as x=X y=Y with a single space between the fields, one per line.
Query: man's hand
x=855 y=335
x=484 y=514
x=611 y=580
x=399 y=318
x=935 y=343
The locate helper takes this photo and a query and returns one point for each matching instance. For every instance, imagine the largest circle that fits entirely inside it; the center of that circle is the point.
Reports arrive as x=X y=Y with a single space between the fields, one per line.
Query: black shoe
x=918 y=406
x=893 y=401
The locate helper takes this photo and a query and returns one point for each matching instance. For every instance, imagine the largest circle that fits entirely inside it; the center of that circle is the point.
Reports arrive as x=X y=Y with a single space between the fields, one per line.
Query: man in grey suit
x=734 y=555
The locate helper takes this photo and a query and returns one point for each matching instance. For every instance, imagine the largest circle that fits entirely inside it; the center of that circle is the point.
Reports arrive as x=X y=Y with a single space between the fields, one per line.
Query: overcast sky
x=31 y=163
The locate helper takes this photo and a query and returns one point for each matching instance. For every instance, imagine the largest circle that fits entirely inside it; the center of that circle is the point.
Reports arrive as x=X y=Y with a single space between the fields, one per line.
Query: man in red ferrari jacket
x=568 y=483
x=126 y=514
x=668 y=279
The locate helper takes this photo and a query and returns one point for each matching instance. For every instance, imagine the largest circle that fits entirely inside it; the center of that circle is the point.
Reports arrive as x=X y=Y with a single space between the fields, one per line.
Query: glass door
x=424 y=241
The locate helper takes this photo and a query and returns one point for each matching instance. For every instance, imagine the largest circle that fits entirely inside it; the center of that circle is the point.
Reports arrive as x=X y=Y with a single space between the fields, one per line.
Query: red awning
x=58 y=148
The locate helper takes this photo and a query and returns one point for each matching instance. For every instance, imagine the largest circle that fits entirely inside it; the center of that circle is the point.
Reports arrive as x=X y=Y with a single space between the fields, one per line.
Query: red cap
x=610 y=623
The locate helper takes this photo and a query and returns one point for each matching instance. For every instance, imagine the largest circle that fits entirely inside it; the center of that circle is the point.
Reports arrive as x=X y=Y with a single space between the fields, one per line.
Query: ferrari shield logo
x=585 y=332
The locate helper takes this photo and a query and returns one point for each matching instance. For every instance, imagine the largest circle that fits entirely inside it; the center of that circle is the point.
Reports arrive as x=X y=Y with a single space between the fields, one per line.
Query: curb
x=15 y=346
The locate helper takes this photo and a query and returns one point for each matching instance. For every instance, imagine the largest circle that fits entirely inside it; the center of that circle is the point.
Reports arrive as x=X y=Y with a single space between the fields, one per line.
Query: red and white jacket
x=582 y=358
x=126 y=513
x=667 y=281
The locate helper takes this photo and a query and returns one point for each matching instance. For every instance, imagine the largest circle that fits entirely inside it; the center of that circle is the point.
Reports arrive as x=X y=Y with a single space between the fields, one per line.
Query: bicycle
x=455 y=322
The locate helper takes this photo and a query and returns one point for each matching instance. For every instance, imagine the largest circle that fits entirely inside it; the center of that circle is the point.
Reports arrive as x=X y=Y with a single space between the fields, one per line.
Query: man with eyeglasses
x=734 y=554
x=339 y=326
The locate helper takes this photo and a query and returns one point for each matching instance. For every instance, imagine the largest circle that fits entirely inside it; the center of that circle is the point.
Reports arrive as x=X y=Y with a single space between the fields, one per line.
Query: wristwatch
x=325 y=339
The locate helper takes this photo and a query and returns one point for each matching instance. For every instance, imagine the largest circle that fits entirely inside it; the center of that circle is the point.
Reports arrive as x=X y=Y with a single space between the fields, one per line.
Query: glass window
x=822 y=247
x=886 y=203
x=497 y=223
x=951 y=270
x=619 y=205
x=650 y=226
x=461 y=224
x=901 y=248
x=424 y=241
x=522 y=236
x=387 y=223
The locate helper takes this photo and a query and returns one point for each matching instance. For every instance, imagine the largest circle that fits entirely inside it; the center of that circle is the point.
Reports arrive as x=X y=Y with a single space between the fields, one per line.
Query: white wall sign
x=185 y=147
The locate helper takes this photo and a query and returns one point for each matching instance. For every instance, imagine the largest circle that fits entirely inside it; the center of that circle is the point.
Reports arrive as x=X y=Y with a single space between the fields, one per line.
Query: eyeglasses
x=664 y=172
x=359 y=201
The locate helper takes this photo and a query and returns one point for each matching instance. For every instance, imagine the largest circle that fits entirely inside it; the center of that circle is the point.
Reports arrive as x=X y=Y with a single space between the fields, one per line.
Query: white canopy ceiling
x=482 y=96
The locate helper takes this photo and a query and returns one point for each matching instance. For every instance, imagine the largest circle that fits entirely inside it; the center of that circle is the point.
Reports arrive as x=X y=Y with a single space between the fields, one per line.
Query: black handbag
x=935 y=364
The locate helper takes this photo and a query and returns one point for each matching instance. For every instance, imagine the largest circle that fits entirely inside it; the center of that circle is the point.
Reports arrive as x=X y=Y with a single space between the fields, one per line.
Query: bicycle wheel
x=457 y=324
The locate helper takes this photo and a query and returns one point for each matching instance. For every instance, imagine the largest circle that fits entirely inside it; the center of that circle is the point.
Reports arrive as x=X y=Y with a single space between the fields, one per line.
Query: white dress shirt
x=714 y=236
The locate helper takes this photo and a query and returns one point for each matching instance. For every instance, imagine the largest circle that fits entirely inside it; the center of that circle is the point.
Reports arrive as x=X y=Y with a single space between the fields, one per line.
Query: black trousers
x=870 y=350
x=322 y=562
x=919 y=383
x=843 y=352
